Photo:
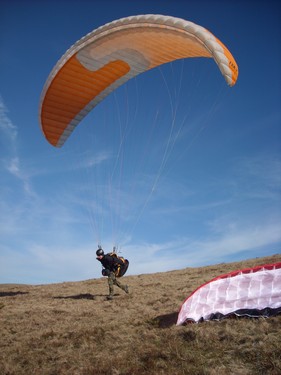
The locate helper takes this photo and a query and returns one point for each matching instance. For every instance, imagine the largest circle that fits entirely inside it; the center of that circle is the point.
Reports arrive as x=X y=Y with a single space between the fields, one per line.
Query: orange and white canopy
x=112 y=54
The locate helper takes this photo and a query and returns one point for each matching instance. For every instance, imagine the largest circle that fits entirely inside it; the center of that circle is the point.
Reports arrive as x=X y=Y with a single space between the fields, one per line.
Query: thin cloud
x=12 y=162
x=186 y=252
x=6 y=125
x=264 y=167
x=259 y=176
x=38 y=262
x=71 y=262
x=239 y=240
x=88 y=160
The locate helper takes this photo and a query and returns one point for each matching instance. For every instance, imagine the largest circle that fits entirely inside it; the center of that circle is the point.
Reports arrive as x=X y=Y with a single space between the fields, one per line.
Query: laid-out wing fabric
x=114 y=53
x=253 y=292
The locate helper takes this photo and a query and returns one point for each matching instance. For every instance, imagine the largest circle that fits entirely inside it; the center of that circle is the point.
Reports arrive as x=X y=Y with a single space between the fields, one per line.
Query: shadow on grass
x=78 y=296
x=166 y=321
x=11 y=294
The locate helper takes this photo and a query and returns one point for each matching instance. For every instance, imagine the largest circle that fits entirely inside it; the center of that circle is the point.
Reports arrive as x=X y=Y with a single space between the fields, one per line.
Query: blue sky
x=175 y=168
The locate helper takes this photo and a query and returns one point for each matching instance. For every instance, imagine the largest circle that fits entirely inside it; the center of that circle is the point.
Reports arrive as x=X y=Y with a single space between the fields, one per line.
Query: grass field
x=70 y=328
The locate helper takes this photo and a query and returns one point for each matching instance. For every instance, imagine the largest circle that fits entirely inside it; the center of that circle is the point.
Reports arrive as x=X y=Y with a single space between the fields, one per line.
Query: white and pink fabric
x=253 y=291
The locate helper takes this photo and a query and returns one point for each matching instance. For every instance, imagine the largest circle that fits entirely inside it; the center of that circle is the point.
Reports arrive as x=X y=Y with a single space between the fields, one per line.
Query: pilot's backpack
x=122 y=265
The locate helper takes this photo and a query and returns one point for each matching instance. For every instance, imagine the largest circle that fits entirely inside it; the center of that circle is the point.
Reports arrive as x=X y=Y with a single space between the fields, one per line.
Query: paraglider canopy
x=114 y=53
x=253 y=292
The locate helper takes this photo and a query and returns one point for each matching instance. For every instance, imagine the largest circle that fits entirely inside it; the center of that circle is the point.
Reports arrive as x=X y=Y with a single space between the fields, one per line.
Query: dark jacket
x=110 y=263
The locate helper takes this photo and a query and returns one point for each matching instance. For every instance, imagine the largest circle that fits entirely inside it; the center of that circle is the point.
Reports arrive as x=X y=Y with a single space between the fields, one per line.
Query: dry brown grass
x=69 y=328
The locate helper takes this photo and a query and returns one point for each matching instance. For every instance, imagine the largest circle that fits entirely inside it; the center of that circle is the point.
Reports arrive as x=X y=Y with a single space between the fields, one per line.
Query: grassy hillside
x=69 y=328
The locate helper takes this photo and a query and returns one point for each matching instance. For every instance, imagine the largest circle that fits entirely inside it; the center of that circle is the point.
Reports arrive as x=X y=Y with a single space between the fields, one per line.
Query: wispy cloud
x=45 y=264
x=262 y=173
x=11 y=162
x=68 y=261
x=90 y=160
x=6 y=125
x=188 y=252
x=238 y=239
